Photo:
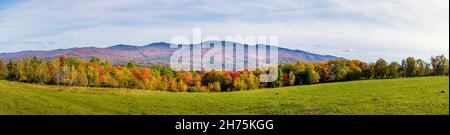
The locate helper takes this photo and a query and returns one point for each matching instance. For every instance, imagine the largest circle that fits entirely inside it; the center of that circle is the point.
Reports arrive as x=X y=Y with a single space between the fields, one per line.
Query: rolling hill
x=155 y=53
x=415 y=96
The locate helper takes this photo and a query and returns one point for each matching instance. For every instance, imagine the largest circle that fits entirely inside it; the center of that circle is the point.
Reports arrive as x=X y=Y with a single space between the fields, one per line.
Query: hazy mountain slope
x=149 y=54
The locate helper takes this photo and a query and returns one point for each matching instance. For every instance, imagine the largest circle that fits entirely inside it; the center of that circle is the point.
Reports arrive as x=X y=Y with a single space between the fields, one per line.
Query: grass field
x=395 y=96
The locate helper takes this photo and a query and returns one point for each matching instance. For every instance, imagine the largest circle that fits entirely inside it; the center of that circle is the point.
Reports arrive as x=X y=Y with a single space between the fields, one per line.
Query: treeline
x=96 y=73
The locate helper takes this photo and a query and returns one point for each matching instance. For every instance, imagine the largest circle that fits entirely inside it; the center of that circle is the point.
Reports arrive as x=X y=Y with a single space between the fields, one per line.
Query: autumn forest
x=97 y=73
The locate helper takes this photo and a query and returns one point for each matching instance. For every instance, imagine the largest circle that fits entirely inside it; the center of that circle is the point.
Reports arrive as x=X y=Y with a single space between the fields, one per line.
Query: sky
x=353 y=29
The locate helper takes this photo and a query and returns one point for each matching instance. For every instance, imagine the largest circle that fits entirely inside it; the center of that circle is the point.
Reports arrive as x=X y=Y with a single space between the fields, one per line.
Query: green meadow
x=416 y=96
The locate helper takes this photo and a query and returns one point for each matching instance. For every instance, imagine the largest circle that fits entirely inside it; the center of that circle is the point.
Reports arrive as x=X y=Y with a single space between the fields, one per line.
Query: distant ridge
x=154 y=53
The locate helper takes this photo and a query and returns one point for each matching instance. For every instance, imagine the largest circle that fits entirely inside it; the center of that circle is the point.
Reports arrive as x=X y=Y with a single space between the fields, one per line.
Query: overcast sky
x=354 y=29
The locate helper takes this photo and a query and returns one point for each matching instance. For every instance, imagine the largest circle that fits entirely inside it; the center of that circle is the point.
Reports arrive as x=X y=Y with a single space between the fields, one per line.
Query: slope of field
x=396 y=96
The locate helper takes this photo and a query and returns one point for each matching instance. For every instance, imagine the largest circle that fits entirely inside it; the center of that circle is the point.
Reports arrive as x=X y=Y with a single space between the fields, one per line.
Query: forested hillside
x=96 y=73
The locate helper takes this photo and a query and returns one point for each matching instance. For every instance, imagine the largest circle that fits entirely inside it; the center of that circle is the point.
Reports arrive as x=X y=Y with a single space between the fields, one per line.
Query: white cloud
x=386 y=28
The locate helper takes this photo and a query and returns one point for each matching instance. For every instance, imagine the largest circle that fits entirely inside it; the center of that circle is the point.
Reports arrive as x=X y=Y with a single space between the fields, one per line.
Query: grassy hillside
x=395 y=96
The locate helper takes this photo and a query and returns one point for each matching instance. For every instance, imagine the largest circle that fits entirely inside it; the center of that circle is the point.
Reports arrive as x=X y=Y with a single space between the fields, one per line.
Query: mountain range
x=155 y=53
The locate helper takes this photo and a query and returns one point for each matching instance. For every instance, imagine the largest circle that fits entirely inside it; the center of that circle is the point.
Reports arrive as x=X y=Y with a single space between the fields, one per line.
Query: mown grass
x=394 y=96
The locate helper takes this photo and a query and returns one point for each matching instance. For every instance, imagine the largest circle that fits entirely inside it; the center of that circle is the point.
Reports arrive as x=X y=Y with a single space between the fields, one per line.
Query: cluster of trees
x=96 y=73
x=346 y=70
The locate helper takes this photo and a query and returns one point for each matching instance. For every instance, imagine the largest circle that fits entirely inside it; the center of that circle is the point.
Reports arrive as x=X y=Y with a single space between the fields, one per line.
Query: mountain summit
x=155 y=53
